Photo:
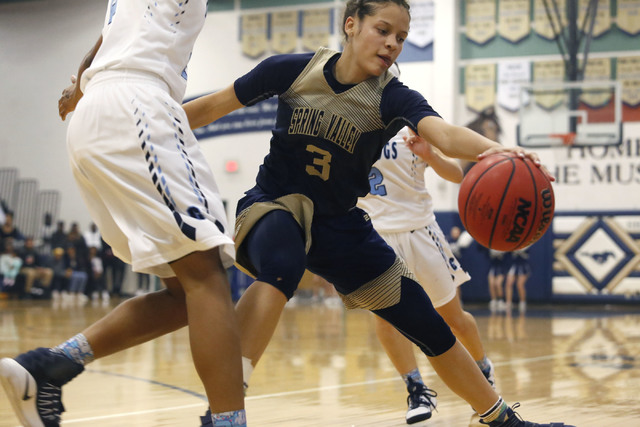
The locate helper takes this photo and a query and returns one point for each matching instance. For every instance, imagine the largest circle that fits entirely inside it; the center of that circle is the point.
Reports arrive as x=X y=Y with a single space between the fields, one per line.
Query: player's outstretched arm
x=72 y=94
x=456 y=141
x=208 y=108
x=463 y=143
x=444 y=166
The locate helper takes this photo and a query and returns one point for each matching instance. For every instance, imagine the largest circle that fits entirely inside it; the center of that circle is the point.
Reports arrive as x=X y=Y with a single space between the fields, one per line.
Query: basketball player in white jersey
x=150 y=191
x=401 y=210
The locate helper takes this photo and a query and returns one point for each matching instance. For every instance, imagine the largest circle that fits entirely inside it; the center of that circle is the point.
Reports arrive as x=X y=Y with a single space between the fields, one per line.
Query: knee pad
x=276 y=249
x=418 y=320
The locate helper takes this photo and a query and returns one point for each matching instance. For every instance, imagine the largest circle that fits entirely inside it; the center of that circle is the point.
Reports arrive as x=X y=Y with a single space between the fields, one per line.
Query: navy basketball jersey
x=327 y=135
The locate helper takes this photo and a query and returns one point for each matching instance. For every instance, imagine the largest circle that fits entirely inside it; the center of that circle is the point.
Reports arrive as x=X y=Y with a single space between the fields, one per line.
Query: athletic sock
x=247 y=370
x=497 y=413
x=230 y=419
x=77 y=349
x=414 y=375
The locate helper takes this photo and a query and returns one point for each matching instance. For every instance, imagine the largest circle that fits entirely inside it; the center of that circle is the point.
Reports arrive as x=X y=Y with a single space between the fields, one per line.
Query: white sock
x=247 y=370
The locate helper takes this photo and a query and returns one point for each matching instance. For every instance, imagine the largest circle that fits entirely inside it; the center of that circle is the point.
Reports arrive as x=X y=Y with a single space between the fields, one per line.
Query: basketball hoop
x=567 y=138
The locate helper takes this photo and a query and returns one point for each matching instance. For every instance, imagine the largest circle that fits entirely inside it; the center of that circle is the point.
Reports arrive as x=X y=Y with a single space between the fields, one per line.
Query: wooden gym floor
x=324 y=367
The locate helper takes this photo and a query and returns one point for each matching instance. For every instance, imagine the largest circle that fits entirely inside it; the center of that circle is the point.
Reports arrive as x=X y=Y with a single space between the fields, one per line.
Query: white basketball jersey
x=398 y=200
x=149 y=36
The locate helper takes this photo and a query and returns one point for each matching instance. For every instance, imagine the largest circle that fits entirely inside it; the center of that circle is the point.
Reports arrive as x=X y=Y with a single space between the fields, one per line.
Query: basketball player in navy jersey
x=402 y=211
x=335 y=113
x=150 y=191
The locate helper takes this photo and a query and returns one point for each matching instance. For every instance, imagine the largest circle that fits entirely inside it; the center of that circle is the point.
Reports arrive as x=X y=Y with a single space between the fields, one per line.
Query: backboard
x=570 y=113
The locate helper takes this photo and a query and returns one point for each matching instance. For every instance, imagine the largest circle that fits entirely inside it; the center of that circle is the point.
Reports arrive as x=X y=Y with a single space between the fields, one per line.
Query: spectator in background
x=92 y=238
x=495 y=279
x=9 y=230
x=59 y=237
x=97 y=276
x=113 y=270
x=76 y=273
x=10 y=264
x=518 y=273
x=60 y=281
x=34 y=267
x=46 y=232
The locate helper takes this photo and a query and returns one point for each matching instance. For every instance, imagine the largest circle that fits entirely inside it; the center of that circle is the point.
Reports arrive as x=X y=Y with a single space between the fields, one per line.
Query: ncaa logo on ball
x=520 y=220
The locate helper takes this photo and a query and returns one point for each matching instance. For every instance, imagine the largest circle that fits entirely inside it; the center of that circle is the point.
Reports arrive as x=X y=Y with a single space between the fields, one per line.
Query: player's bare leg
x=138 y=320
x=259 y=311
x=213 y=328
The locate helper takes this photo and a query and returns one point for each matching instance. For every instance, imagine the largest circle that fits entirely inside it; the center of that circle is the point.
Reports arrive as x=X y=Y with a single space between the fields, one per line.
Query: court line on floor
x=285 y=393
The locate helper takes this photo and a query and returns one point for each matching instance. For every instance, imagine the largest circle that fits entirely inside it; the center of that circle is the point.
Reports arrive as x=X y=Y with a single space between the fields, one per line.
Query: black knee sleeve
x=276 y=249
x=418 y=320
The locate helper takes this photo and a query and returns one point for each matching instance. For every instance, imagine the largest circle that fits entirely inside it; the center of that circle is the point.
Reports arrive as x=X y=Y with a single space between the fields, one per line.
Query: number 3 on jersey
x=375 y=182
x=321 y=164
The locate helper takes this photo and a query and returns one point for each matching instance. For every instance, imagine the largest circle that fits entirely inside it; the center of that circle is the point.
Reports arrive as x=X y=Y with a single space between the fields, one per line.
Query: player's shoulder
x=294 y=60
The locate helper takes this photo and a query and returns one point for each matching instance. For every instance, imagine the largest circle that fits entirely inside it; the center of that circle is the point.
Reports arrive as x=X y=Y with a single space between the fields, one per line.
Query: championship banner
x=603 y=16
x=598 y=69
x=514 y=23
x=541 y=23
x=480 y=83
x=549 y=72
x=628 y=16
x=284 y=31
x=511 y=76
x=316 y=27
x=253 y=29
x=629 y=75
x=481 y=20
x=421 y=33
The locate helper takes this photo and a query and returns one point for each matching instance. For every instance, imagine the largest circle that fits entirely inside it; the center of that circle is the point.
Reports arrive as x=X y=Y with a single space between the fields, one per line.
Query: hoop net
x=567 y=138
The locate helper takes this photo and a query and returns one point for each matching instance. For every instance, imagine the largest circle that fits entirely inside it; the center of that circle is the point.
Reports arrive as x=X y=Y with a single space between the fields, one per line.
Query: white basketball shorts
x=142 y=175
x=429 y=256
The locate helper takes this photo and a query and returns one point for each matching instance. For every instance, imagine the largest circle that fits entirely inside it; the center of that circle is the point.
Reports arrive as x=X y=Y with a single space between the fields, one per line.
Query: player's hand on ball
x=520 y=152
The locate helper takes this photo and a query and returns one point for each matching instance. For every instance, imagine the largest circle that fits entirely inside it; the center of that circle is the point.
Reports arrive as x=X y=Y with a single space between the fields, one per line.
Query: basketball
x=506 y=202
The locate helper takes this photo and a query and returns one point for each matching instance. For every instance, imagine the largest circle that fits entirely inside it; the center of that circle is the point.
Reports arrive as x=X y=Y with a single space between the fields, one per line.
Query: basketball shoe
x=421 y=401
x=514 y=420
x=33 y=382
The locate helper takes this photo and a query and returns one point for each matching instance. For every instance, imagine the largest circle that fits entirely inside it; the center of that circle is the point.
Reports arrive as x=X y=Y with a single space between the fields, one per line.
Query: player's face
x=376 y=41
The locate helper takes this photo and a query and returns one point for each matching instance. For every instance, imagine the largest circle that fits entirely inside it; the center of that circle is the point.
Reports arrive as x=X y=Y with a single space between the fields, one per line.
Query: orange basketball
x=506 y=202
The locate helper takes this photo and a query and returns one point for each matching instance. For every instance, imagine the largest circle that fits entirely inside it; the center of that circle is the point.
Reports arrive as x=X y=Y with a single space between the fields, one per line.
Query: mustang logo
x=600 y=257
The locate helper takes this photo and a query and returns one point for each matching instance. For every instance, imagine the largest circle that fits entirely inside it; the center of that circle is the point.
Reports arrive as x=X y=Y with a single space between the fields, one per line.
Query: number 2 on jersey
x=375 y=181
x=321 y=164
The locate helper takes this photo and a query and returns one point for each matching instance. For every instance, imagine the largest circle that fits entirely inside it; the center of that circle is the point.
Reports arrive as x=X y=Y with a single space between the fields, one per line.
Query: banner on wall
x=316 y=28
x=480 y=20
x=514 y=23
x=284 y=31
x=602 y=23
x=421 y=33
x=541 y=24
x=480 y=83
x=254 y=34
x=629 y=75
x=549 y=72
x=511 y=76
x=628 y=16
x=257 y=118
x=598 y=69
